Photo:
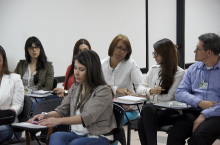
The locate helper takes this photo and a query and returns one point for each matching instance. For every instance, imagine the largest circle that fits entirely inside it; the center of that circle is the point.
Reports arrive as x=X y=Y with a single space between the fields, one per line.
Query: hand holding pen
x=124 y=91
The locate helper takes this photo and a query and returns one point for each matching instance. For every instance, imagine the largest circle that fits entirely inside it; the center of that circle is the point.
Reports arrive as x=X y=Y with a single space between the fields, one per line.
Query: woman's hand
x=37 y=117
x=156 y=90
x=61 y=95
x=58 y=91
x=124 y=91
x=127 y=108
x=50 y=121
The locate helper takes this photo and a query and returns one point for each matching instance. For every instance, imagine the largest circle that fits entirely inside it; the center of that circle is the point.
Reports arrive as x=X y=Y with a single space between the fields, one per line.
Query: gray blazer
x=96 y=113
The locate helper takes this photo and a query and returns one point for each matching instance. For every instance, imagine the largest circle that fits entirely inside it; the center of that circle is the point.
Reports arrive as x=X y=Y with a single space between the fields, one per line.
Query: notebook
x=132 y=99
x=177 y=104
x=40 y=92
x=28 y=125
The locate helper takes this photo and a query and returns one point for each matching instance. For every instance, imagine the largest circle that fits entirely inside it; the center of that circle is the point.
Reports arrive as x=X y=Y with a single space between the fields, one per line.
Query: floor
x=161 y=138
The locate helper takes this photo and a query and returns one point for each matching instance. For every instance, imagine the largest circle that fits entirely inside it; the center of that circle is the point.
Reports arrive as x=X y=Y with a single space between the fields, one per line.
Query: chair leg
x=129 y=134
x=122 y=139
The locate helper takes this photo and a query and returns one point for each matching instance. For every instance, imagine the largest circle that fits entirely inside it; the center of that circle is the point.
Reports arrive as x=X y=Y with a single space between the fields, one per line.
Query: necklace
x=111 y=65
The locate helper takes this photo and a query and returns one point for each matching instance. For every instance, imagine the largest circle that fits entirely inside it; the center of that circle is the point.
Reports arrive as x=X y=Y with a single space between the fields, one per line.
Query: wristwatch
x=65 y=92
x=45 y=114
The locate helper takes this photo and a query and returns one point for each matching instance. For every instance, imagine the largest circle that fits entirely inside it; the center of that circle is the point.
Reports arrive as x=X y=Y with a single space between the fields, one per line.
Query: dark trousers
x=150 y=119
x=205 y=134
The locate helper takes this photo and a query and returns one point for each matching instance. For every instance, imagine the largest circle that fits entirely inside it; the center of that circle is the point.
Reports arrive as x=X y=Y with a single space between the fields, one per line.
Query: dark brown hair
x=75 y=53
x=42 y=58
x=115 y=42
x=167 y=50
x=5 y=62
x=94 y=74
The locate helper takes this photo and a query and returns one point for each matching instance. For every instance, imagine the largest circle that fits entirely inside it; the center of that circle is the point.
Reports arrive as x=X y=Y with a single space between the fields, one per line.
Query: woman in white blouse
x=11 y=95
x=120 y=71
x=159 y=85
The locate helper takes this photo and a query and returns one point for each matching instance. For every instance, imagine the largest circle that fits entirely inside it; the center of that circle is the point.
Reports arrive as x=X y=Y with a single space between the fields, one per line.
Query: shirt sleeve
x=183 y=92
x=213 y=111
x=49 y=77
x=143 y=88
x=136 y=75
x=67 y=73
x=18 y=96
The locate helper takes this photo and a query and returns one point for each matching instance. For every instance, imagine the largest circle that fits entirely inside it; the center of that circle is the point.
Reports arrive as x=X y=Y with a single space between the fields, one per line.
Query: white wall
x=201 y=16
x=161 y=23
x=59 y=24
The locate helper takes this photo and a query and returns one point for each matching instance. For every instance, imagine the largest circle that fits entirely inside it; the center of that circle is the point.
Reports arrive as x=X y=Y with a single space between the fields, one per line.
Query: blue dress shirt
x=189 y=92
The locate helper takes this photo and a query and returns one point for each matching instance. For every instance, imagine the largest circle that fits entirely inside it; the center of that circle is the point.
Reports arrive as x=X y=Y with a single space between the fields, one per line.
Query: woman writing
x=80 y=46
x=88 y=107
x=120 y=72
x=11 y=95
x=159 y=85
x=36 y=72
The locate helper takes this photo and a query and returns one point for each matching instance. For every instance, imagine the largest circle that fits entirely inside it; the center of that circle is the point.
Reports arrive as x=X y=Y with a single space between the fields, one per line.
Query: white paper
x=132 y=98
x=40 y=92
x=28 y=125
x=177 y=104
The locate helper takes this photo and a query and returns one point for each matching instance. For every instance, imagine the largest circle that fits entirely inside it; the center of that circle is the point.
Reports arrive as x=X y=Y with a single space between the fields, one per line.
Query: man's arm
x=183 y=92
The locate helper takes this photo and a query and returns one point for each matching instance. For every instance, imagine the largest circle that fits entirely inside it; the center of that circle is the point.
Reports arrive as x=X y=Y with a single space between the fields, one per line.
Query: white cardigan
x=150 y=80
x=125 y=73
x=12 y=93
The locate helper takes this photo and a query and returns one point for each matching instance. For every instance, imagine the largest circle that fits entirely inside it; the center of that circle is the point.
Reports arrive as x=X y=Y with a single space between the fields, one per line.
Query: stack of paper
x=28 y=125
x=132 y=99
x=40 y=92
x=177 y=104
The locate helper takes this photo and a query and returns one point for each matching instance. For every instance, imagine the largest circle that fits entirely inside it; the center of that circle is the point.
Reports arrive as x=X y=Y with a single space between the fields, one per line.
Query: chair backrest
x=7 y=117
x=47 y=106
x=119 y=114
x=55 y=82
x=24 y=116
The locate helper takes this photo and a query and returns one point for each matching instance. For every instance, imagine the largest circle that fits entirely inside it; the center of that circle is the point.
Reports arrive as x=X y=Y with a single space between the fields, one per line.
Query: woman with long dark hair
x=159 y=85
x=88 y=107
x=11 y=95
x=36 y=72
x=80 y=46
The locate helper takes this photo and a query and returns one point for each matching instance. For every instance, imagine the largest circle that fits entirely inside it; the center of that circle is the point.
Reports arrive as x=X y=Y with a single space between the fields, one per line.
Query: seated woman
x=88 y=107
x=120 y=72
x=159 y=85
x=36 y=72
x=80 y=46
x=11 y=95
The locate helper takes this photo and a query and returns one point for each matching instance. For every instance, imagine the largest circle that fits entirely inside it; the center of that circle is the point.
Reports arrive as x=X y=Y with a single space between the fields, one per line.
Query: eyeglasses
x=36 y=47
x=198 y=49
x=154 y=54
x=121 y=49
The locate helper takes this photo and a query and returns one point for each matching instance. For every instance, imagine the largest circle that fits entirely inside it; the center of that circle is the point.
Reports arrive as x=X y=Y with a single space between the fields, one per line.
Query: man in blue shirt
x=200 y=88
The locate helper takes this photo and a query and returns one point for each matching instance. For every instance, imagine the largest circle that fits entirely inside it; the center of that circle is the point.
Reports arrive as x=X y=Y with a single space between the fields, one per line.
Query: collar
x=201 y=65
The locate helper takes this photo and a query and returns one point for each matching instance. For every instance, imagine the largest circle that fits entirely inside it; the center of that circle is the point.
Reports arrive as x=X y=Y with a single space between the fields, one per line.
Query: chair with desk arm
x=45 y=106
x=24 y=116
x=55 y=82
x=118 y=132
x=7 y=117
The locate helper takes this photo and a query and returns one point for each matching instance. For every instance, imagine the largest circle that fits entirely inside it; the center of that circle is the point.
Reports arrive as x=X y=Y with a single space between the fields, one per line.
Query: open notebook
x=132 y=99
